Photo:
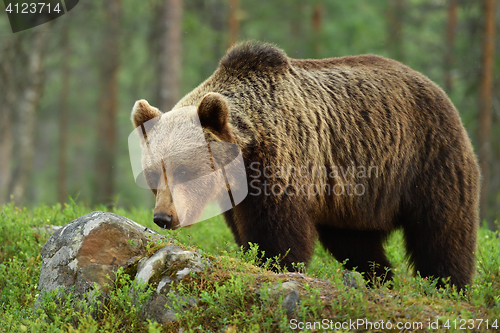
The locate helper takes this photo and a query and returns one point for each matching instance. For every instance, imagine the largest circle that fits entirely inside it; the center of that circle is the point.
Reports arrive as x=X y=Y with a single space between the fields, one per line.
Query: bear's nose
x=163 y=220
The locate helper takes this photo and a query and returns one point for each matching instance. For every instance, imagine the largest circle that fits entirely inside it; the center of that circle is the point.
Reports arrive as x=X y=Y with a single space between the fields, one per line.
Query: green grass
x=233 y=295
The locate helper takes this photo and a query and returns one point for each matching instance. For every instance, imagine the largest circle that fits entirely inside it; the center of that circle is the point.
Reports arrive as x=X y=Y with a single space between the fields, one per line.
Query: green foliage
x=224 y=303
x=233 y=295
x=488 y=282
x=21 y=229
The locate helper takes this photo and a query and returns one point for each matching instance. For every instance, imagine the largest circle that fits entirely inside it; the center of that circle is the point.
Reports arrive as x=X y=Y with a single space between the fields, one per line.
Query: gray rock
x=353 y=279
x=167 y=266
x=290 y=285
x=155 y=310
x=284 y=287
x=89 y=249
x=164 y=285
x=159 y=307
x=290 y=302
x=160 y=270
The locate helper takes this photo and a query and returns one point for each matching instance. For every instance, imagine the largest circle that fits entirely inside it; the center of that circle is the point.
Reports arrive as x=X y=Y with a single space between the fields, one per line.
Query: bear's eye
x=181 y=174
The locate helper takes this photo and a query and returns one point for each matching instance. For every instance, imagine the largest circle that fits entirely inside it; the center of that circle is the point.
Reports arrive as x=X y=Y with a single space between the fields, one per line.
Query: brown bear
x=343 y=149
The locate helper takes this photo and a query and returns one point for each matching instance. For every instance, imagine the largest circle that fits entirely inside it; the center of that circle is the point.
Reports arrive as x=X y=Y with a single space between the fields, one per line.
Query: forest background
x=67 y=87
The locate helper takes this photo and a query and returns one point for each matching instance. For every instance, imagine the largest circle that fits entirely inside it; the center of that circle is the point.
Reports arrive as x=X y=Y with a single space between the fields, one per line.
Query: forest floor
x=234 y=295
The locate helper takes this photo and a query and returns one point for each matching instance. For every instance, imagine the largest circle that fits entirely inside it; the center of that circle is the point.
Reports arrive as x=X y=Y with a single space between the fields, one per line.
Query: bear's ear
x=143 y=112
x=213 y=113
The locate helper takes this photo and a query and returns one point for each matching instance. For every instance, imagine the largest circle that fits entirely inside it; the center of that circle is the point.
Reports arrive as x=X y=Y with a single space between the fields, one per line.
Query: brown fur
x=338 y=113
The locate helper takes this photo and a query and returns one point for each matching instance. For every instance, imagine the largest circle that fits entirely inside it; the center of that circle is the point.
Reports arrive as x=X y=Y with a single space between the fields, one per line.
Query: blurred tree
x=108 y=103
x=218 y=13
x=317 y=25
x=170 y=54
x=449 y=45
x=301 y=21
x=395 y=16
x=8 y=53
x=485 y=104
x=63 y=115
x=27 y=101
x=234 y=22
x=5 y=150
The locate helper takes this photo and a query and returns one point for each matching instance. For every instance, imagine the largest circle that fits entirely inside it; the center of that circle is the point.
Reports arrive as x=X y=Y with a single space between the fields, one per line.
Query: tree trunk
x=317 y=25
x=26 y=112
x=63 y=117
x=449 y=59
x=218 y=15
x=170 y=54
x=395 y=22
x=234 y=22
x=6 y=99
x=485 y=104
x=108 y=104
x=5 y=149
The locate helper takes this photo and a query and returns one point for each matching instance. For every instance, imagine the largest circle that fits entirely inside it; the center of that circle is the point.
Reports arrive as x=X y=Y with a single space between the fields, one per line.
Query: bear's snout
x=163 y=220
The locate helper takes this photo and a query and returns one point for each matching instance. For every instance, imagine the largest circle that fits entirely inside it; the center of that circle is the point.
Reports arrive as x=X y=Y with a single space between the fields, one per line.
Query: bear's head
x=184 y=152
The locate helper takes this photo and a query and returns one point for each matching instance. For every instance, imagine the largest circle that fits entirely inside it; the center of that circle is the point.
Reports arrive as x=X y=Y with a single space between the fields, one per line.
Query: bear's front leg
x=362 y=250
x=280 y=227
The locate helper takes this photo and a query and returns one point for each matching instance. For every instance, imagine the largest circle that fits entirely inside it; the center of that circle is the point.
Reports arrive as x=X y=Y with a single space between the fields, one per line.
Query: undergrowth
x=235 y=295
